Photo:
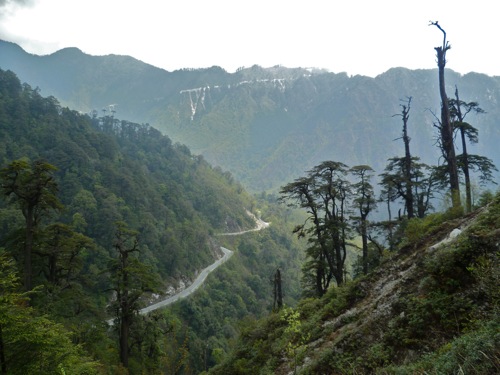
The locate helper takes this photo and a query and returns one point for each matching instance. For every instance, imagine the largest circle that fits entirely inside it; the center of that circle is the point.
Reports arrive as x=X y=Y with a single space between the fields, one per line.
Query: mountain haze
x=110 y=176
x=163 y=187
x=265 y=126
x=110 y=170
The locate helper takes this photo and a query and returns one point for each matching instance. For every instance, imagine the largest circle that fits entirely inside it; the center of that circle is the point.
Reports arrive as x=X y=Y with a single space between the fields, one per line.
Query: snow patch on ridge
x=198 y=95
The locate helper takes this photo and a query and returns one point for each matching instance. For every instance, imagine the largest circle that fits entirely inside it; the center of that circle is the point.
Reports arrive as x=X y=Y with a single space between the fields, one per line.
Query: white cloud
x=359 y=37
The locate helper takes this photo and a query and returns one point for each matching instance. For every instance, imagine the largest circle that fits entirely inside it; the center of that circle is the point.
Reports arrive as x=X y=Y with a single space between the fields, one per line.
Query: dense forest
x=97 y=211
x=373 y=262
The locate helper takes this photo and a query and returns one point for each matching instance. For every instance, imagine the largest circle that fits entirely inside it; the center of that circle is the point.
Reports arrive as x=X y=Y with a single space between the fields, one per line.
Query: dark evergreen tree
x=30 y=185
x=467 y=162
x=364 y=203
x=324 y=194
x=130 y=279
x=423 y=180
x=61 y=246
x=30 y=343
x=277 y=291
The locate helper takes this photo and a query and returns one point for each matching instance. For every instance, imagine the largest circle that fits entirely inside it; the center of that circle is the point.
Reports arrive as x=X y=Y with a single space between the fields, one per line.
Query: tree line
x=338 y=200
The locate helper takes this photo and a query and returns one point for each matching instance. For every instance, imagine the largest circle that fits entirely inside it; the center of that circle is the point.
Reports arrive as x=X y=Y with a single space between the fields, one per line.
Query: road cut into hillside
x=200 y=279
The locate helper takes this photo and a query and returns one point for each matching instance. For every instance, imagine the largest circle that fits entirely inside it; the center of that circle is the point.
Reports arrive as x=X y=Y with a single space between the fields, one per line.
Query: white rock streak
x=197 y=95
x=453 y=234
x=199 y=98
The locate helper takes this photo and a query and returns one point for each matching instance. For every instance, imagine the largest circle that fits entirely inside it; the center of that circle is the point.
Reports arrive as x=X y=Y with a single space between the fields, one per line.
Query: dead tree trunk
x=446 y=129
x=465 y=167
x=408 y=166
x=278 y=294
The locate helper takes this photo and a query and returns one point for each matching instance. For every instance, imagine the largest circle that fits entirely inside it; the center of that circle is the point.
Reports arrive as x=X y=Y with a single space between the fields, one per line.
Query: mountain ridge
x=267 y=125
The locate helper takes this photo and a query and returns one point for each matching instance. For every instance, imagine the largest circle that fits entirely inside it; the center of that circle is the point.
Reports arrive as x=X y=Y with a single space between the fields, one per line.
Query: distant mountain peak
x=69 y=50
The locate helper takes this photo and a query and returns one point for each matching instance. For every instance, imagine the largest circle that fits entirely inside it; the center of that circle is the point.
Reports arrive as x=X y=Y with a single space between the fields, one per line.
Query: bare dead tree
x=408 y=196
x=278 y=293
x=446 y=129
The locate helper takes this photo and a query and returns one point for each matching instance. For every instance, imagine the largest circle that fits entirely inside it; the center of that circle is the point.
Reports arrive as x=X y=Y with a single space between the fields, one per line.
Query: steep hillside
x=111 y=170
x=265 y=126
x=431 y=307
x=114 y=178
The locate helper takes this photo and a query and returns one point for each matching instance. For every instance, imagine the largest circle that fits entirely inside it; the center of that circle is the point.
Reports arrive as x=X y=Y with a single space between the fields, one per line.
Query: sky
x=365 y=37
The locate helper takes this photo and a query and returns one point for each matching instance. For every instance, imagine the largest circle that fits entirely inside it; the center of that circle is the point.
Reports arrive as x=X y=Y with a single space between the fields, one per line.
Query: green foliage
x=374 y=258
x=486 y=272
x=130 y=279
x=325 y=195
x=416 y=191
x=294 y=336
x=111 y=170
x=472 y=353
x=438 y=314
x=338 y=300
x=31 y=343
x=417 y=229
x=108 y=171
x=240 y=290
x=257 y=355
x=485 y=198
x=30 y=186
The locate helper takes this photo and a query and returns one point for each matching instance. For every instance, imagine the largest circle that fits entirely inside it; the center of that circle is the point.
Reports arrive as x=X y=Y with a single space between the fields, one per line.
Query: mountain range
x=431 y=304
x=266 y=126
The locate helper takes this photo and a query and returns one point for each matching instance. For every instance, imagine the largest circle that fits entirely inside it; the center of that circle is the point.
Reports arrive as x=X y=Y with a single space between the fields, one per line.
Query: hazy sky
x=354 y=36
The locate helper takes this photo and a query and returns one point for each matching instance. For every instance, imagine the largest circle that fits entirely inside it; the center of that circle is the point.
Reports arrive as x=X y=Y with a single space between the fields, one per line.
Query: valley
x=202 y=275
x=269 y=203
x=258 y=123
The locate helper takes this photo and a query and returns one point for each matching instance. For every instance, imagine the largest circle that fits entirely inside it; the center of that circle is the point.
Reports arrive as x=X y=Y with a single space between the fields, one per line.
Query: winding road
x=200 y=279
x=191 y=288
x=206 y=271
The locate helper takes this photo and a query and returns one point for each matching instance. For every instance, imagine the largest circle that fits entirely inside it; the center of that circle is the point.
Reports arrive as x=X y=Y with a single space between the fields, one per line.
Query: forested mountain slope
x=110 y=170
x=265 y=126
x=431 y=307
x=114 y=182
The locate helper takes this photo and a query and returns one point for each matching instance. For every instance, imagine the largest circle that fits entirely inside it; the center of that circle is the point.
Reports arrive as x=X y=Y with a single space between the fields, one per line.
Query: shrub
x=475 y=353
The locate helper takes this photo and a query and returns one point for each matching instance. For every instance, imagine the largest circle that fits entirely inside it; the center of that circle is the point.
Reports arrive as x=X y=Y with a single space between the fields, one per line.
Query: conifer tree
x=324 y=194
x=467 y=162
x=130 y=279
x=364 y=202
x=30 y=185
x=277 y=291
x=30 y=343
